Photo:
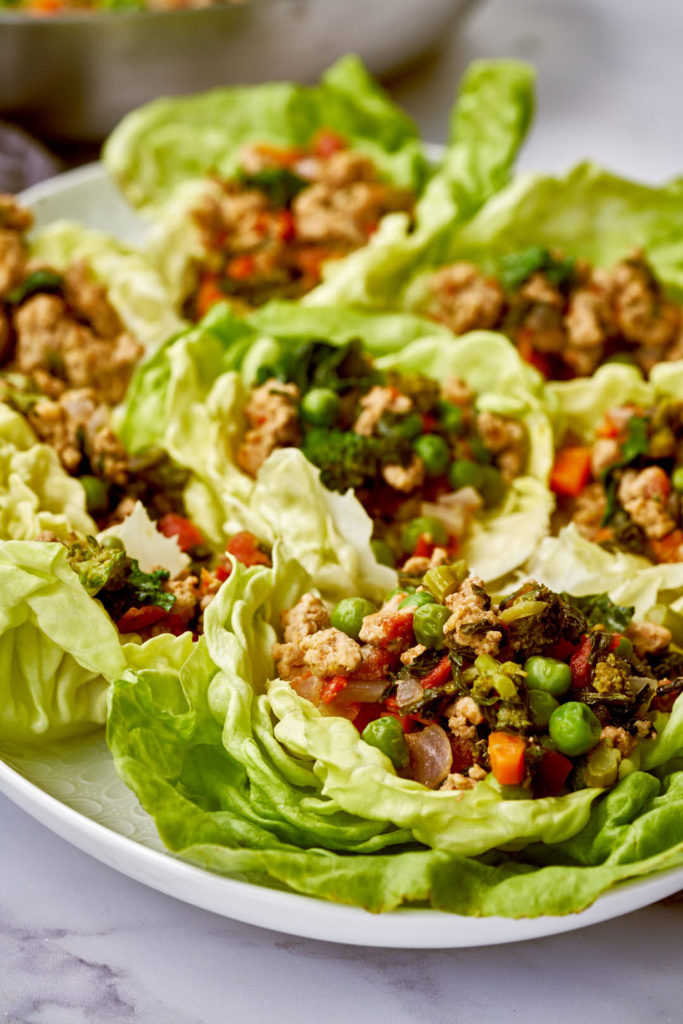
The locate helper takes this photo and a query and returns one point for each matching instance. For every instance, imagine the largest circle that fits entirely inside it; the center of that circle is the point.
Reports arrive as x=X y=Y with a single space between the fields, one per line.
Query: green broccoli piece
x=348 y=460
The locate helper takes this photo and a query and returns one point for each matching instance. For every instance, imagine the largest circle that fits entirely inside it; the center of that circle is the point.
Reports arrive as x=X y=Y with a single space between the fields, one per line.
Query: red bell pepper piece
x=332 y=687
x=245 y=548
x=551 y=773
x=438 y=676
x=579 y=663
x=189 y=536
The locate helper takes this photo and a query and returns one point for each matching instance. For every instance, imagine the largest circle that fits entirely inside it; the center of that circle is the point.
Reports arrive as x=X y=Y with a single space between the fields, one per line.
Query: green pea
x=541 y=707
x=492 y=485
x=434 y=452
x=677 y=479
x=415 y=528
x=386 y=734
x=479 y=450
x=383 y=553
x=428 y=623
x=450 y=417
x=96 y=493
x=574 y=728
x=348 y=615
x=464 y=473
x=548 y=674
x=320 y=406
x=418 y=599
x=408 y=427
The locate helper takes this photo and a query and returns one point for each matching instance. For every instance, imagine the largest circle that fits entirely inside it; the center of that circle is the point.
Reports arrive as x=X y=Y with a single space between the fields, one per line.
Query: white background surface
x=80 y=944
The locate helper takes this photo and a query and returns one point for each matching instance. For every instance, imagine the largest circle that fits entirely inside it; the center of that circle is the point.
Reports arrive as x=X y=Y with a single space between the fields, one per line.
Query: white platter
x=73 y=788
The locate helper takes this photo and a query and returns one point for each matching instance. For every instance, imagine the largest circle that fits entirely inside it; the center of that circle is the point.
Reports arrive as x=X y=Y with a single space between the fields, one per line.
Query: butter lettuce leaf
x=189 y=397
x=36 y=492
x=199 y=746
x=134 y=287
x=172 y=140
x=58 y=647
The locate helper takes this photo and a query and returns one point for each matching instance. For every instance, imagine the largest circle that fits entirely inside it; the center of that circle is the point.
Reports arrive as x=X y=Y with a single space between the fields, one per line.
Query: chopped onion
x=407 y=692
x=431 y=755
x=309 y=687
x=454 y=510
x=364 y=691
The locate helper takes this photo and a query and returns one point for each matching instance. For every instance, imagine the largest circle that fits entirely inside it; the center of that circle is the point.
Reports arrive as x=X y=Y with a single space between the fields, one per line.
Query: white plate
x=73 y=788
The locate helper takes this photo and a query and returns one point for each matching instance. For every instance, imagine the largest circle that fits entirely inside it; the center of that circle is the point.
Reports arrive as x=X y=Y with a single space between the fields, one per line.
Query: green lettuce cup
x=205 y=754
x=193 y=400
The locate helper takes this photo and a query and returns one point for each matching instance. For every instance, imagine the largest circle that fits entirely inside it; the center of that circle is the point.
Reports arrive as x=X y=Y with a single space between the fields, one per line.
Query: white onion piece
x=431 y=756
x=364 y=691
x=454 y=510
x=309 y=687
x=407 y=692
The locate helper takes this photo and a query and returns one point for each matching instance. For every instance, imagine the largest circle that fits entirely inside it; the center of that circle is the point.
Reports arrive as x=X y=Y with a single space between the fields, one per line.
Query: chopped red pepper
x=669 y=548
x=424 y=547
x=189 y=536
x=222 y=572
x=439 y=675
x=561 y=649
x=326 y=142
x=376 y=664
x=245 y=547
x=332 y=687
x=531 y=355
x=279 y=156
x=579 y=663
x=397 y=625
x=551 y=774
x=140 y=618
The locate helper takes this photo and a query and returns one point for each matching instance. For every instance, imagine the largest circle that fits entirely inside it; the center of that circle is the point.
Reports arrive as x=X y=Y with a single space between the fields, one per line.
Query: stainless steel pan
x=75 y=76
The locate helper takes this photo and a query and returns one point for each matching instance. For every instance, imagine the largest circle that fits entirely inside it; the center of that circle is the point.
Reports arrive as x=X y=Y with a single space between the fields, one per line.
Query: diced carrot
x=531 y=355
x=284 y=227
x=189 y=536
x=669 y=548
x=332 y=687
x=571 y=472
x=439 y=675
x=607 y=428
x=241 y=268
x=279 y=156
x=245 y=548
x=209 y=294
x=326 y=142
x=506 y=752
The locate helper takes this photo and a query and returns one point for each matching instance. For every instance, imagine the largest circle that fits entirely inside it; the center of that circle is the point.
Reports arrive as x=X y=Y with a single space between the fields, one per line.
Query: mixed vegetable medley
x=624 y=491
x=549 y=692
x=566 y=316
x=367 y=604
x=47 y=8
x=286 y=213
x=421 y=459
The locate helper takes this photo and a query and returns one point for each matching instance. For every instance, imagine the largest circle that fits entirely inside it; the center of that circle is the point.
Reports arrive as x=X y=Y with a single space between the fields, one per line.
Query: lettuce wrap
x=571 y=562
x=219 y=757
x=189 y=400
x=162 y=155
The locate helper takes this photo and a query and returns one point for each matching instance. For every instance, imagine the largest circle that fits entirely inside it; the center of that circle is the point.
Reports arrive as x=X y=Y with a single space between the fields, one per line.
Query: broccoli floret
x=348 y=460
x=557 y=620
x=611 y=676
x=116 y=579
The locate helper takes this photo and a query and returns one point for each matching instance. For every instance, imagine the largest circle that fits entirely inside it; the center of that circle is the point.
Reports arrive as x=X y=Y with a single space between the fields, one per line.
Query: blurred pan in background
x=73 y=76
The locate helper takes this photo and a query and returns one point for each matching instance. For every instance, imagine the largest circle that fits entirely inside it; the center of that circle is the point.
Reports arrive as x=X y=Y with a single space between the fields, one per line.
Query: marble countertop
x=81 y=944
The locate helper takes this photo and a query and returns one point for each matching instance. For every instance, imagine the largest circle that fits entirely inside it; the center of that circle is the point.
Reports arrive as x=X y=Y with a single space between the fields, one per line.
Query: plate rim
x=290 y=912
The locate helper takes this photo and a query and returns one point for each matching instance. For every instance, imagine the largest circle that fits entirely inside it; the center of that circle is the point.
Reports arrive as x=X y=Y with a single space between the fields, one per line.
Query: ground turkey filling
x=420 y=456
x=625 y=490
x=548 y=692
x=566 y=317
x=270 y=229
